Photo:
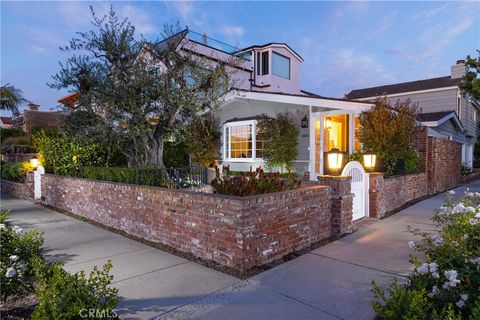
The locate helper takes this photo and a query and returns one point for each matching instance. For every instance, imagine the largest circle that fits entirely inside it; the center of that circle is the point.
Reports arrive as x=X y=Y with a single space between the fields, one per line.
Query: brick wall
x=239 y=232
x=389 y=194
x=444 y=164
x=15 y=189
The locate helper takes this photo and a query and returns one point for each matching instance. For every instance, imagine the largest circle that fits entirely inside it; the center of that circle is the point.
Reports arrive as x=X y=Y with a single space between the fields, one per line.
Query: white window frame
x=226 y=156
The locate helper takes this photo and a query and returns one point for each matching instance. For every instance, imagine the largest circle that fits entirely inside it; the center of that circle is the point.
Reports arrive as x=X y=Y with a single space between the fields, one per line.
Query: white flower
x=17 y=229
x=464 y=296
x=423 y=269
x=22 y=266
x=412 y=244
x=475 y=261
x=437 y=240
x=433 y=267
x=460 y=303
x=470 y=209
x=473 y=221
x=13 y=258
x=434 y=292
x=435 y=275
x=10 y=273
x=451 y=276
x=2 y=225
x=459 y=208
x=451 y=192
x=477 y=215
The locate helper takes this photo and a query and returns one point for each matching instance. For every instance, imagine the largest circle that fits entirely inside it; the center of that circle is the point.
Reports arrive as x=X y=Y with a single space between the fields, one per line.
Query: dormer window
x=262 y=63
x=280 y=65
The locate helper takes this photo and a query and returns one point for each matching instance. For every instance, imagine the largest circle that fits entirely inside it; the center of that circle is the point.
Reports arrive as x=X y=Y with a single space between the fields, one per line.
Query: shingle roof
x=440 y=82
x=433 y=116
x=6 y=120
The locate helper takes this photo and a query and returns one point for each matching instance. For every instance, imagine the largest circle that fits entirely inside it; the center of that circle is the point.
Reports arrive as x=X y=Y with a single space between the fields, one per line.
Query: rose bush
x=446 y=282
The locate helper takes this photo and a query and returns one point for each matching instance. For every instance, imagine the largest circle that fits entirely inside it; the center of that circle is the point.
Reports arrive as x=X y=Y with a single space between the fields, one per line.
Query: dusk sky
x=345 y=45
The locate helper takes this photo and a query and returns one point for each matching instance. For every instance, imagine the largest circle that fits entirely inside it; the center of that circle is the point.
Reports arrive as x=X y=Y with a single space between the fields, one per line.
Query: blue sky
x=346 y=45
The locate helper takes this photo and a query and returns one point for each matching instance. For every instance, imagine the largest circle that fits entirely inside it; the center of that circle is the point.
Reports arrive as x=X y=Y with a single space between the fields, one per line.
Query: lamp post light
x=369 y=160
x=335 y=160
x=34 y=163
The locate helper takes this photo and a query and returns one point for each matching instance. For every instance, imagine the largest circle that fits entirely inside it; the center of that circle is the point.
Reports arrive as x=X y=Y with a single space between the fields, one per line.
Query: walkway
x=332 y=282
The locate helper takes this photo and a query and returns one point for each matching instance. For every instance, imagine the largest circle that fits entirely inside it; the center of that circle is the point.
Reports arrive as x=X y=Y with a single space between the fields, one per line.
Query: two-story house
x=266 y=81
x=442 y=107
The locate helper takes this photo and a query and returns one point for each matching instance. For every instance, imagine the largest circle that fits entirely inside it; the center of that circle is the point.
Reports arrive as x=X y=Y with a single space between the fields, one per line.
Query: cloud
x=42 y=41
x=233 y=30
x=138 y=18
x=184 y=8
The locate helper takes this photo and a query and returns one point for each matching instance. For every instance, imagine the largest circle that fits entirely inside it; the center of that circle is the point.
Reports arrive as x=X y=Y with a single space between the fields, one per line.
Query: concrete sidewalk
x=332 y=282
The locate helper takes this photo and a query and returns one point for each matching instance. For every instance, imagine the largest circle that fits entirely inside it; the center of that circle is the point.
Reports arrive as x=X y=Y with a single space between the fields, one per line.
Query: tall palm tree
x=11 y=98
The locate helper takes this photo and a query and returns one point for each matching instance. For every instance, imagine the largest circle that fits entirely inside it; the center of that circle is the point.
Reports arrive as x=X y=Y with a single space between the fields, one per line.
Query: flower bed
x=445 y=285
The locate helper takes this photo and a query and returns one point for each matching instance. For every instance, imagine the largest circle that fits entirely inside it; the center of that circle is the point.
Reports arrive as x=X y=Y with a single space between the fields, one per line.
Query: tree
x=279 y=136
x=470 y=83
x=11 y=98
x=388 y=131
x=145 y=93
x=202 y=138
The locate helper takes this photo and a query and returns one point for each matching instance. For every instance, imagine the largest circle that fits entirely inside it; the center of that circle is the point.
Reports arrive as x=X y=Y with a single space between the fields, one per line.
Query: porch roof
x=298 y=99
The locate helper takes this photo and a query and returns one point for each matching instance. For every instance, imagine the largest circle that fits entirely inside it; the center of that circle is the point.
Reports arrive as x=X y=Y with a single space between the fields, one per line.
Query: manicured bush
x=64 y=296
x=280 y=139
x=67 y=155
x=445 y=285
x=19 y=250
x=254 y=182
x=411 y=161
x=148 y=177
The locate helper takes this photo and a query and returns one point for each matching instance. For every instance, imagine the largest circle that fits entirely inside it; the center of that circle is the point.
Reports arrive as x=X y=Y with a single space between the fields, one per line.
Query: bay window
x=240 y=141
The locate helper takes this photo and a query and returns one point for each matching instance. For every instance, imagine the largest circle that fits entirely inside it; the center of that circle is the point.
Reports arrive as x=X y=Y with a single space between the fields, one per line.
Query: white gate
x=360 y=186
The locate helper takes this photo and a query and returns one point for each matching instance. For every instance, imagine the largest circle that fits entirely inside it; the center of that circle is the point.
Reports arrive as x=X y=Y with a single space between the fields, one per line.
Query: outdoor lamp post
x=34 y=162
x=369 y=160
x=335 y=160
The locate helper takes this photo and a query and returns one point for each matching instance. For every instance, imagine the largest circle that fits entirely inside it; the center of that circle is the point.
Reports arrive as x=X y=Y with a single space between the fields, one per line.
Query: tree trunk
x=154 y=154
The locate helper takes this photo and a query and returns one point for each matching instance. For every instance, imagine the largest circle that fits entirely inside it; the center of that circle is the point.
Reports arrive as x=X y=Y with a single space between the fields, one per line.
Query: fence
x=188 y=177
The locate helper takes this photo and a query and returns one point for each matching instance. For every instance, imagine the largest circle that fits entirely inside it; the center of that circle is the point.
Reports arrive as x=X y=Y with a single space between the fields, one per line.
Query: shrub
x=148 y=177
x=201 y=140
x=19 y=250
x=280 y=139
x=175 y=154
x=14 y=171
x=10 y=132
x=67 y=155
x=445 y=285
x=253 y=182
x=466 y=169
x=66 y=296
x=411 y=161
x=388 y=131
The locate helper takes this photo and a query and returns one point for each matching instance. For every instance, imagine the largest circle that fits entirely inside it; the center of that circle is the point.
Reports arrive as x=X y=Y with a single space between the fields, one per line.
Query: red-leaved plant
x=252 y=182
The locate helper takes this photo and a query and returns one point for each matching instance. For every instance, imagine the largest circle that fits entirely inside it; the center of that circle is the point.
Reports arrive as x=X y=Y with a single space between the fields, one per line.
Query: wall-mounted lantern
x=305 y=122
x=328 y=123
x=34 y=162
x=369 y=160
x=335 y=160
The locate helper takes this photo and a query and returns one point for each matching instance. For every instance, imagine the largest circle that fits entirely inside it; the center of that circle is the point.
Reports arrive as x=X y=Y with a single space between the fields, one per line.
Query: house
x=266 y=81
x=32 y=118
x=6 y=122
x=442 y=107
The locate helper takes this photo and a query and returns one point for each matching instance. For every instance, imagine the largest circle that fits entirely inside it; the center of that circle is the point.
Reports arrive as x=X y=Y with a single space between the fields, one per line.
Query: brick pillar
x=375 y=194
x=342 y=203
x=29 y=186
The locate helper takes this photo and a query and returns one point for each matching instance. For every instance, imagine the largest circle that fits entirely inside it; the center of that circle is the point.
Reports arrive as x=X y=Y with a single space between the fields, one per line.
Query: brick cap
x=328 y=177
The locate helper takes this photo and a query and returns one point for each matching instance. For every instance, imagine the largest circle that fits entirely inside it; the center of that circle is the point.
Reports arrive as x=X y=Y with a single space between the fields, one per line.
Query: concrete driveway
x=331 y=282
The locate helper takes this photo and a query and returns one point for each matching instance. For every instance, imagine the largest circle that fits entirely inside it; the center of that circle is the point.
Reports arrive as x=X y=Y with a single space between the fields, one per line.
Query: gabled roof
x=6 y=120
x=434 y=83
x=172 y=40
x=271 y=44
x=435 y=119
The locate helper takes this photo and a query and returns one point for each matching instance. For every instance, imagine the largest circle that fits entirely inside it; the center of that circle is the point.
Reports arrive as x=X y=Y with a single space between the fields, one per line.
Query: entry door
x=359 y=188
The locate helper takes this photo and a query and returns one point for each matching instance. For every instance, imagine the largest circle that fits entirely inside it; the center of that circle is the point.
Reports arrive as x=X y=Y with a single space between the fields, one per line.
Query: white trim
x=347 y=106
x=443 y=120
x=408 y=93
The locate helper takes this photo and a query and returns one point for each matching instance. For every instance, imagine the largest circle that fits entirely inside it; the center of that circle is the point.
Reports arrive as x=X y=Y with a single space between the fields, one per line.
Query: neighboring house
x=266 y=82
x=69 y=101
x=442 y=107
x=6 y=122
x=34 y=118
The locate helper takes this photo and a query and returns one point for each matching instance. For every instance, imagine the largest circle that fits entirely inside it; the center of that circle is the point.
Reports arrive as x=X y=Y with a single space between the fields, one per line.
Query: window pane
x=241 y=141
x=264 y=63
x=280 y=65
x=358 y=145
x=336 y=133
